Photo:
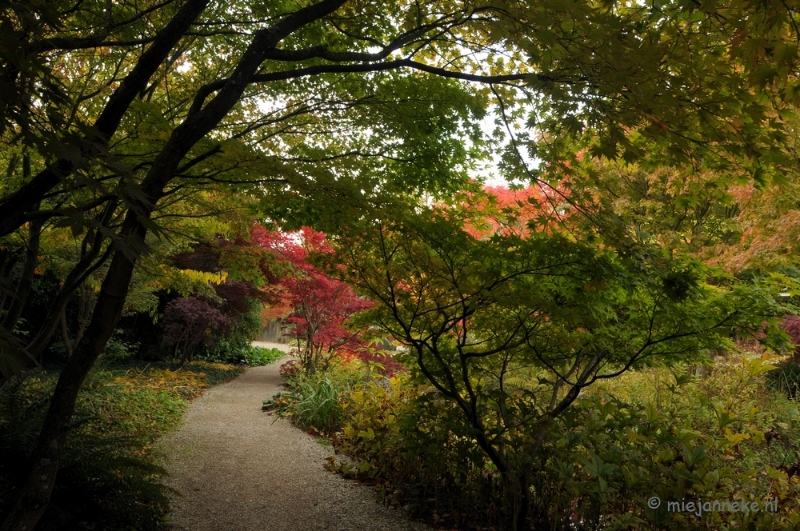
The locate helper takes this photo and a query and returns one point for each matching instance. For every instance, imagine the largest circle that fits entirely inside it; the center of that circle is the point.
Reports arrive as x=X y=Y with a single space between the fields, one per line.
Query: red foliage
x=372 y=355
x=193 y=321
x=279 y=310
x=320 y=305
x=290 y=369
x=791 y=324
x=506 y=211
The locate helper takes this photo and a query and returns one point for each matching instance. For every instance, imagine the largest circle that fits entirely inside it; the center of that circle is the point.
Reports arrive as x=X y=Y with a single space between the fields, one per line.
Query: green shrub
x=412 y=444
x=723 y=438
x=313 y=401
x=118 y=350
x=317 y=405
x=239 y=350
x=263 y=356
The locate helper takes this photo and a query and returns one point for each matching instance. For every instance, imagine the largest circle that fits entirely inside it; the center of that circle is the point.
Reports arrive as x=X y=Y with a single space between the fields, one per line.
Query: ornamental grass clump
x=314 y=399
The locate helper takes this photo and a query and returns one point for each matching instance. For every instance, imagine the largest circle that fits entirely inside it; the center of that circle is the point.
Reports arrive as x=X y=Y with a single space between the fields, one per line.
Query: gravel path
x=237 y=470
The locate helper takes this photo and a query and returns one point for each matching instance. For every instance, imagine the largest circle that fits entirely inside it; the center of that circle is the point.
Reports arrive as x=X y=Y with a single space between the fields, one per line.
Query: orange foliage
x=515 y=211
x=279 y=310
x=770 y=228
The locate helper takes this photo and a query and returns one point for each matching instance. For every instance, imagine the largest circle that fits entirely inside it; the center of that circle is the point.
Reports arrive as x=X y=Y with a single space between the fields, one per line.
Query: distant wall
x=273 y=332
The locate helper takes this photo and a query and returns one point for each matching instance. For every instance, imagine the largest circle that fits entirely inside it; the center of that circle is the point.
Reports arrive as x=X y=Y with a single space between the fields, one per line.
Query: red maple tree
x=320 y=305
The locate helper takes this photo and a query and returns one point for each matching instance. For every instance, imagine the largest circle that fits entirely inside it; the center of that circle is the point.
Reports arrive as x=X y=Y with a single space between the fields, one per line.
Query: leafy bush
x=411 y=444
x=317 y=405
x=240 y=352
x=193 y=321
x=720 y=438
x=313 y=401
x=215 y=328
x=118 y=350
x=263 y=356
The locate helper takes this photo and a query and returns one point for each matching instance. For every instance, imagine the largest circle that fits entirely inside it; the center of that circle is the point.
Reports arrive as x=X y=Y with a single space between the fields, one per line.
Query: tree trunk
x=523 y=504
x=74 y=280
x=10 y=260
x=522 y=507
x=35 y=494
x=85 y=311
x=88 y=263
x=65 y=333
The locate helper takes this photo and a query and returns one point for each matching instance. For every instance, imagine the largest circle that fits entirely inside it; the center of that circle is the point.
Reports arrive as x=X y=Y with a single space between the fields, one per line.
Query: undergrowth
x=108 y=478
x=239 y=352
x=314 y=400
x=722 y=436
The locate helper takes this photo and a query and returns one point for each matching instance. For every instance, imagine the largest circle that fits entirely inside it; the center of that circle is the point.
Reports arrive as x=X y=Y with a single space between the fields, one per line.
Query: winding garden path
x=236 y=469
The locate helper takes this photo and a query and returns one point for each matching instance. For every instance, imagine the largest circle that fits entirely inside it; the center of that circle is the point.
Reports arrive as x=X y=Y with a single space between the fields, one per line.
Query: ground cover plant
x=314 y=399
x=252 y=356
x=110 y=478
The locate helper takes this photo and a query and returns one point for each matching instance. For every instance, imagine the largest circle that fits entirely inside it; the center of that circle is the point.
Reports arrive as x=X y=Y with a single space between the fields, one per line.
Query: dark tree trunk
x=523 y=507
x=88 y=263
x=524 y=503
x=35 y=494
x=65 y=334
x=51 y=321
x=9 y=261
x=85 y=307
